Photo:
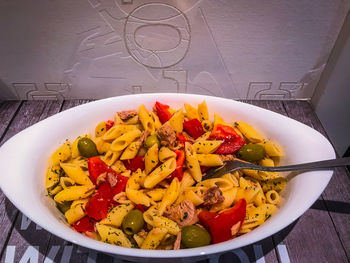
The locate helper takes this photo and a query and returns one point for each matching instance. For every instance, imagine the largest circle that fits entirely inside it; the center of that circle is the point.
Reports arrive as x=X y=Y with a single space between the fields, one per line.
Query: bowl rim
x=75 y=237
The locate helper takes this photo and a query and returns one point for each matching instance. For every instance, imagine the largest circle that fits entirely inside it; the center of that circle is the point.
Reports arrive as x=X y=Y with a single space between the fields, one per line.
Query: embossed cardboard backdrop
x=99 y=48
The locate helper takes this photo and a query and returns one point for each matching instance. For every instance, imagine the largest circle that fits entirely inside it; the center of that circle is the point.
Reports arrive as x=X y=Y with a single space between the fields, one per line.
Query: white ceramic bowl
x=25 y=156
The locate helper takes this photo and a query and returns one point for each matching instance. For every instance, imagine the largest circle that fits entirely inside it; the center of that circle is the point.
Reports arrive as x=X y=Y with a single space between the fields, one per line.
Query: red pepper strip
x=194 y=128
x=181 y=137
x=96 y=167
x=178 y=173
x=221 y=132
x=97 y=206
x=220 y=224
x=230 y=145
x=134 y=164
x=84 y=224
x=162 y=112
x=109 y=124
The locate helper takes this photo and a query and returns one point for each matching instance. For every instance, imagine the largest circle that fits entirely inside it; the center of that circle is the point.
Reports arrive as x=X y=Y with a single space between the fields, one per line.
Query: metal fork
x=233 y=165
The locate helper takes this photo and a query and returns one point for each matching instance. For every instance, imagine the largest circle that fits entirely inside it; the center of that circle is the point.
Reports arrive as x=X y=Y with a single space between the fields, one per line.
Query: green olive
x=64 y=206
x=87 y=147
x=133 y=222
x=151 y=140
x=194 y=236
x=252 y=152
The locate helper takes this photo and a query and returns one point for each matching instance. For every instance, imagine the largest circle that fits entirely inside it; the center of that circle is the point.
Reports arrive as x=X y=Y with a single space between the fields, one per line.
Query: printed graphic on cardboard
x=270 y=50
x=156 y=47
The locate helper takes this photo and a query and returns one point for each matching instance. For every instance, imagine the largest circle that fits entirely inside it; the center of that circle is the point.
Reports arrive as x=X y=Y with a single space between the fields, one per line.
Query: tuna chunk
x=183 y=214
x=213 y=196
x=167 y=135
x=127 y=114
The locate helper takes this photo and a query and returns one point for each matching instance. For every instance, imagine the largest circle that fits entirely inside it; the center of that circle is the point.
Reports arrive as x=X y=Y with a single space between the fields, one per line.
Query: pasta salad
x=140 y=180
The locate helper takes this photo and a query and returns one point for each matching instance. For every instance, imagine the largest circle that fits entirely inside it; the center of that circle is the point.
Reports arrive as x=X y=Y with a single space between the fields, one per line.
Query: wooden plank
x=22 y=235
x=8 y=110
x=313 y=236
x=337 y=195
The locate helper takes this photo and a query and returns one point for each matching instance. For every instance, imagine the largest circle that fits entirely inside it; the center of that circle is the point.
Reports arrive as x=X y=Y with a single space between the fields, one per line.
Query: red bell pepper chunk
x=96 y=167
x=230 y=145
x=181 y=137
x=194 y=128
x=121 y=184
x=162 y=112
x=84 y=224
x=178 y=173
x=98 y=204
x=134 y=164
x=221 y=132
x=232 y=142
x=220 y=224
x=109 y=124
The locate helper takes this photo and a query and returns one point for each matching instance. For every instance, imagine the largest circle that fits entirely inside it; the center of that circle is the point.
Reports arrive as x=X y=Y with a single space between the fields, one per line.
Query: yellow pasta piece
x=232 y=178
x=170 y=196
x=247 y=190
x=229 y=197
x=81 y=202
x=135 y=180
x=209 y=159
x=101 y=145
x=160 y=173
x=134 y=120
x=164 y=222
x=61 y=154
x=138 y=197
x=55 y=190
x=220 y=182
x=272 y=197
x=219 y=120
x=111 y=157
x=52 y=176
x=249 y=132
x=191 y=112
x=272 y=149
x=204 y=137
x=263 y=175
x=66 y=182
x=165 y=153
x=157 y=123
x=151 y=158
x=207 y=125
x=177 y=120
x=74 y=214
x=77 y=174
x=260 y=198
x=203 y=111
x=100 y=129
x=117 y=130
x=206 y=147
x=192 y=162
x=131 y=151
x=146 y=119
x=116 y=215
x=124 y=140
x=113 y=235
x=156 y=194
x=194 y=194
x=119 y=167
x=74 y=193
x=277 y=184
x=154 y=238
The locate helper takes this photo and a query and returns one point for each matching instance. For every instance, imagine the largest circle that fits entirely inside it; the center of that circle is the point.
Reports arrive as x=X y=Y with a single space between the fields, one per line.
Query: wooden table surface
x=322 y=234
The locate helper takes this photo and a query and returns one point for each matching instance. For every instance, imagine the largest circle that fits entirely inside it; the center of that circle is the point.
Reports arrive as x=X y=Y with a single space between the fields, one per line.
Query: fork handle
x=320 y=165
